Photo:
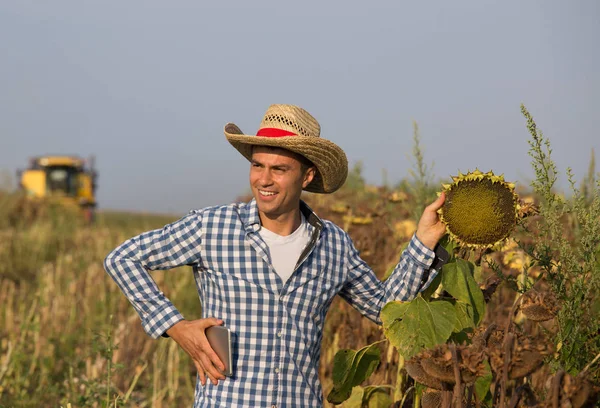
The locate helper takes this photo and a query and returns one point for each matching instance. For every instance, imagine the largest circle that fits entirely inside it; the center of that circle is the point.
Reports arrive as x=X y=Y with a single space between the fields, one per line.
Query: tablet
x=219 y=338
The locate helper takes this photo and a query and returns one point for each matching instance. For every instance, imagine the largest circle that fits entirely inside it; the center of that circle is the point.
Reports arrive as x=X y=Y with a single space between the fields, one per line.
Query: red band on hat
x=272 y=132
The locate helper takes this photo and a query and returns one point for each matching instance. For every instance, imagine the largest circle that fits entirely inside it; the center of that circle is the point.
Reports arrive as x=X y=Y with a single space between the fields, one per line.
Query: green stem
x=417 y=400
x=399 y=393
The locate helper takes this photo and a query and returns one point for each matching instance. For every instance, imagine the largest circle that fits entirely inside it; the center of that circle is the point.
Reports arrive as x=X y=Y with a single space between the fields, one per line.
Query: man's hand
x=191 y=337
x=430 y=229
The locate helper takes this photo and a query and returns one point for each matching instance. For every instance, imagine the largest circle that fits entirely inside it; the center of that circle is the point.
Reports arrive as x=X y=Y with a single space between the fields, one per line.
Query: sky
x=147 y=86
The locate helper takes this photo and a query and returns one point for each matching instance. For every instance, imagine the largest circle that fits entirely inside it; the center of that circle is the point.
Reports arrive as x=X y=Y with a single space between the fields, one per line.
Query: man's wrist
x=174 y=330
x=419 y=252
x=430 y=243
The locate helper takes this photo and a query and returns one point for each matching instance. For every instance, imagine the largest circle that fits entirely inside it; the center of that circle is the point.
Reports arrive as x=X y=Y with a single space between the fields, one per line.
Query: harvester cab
x=67 y=180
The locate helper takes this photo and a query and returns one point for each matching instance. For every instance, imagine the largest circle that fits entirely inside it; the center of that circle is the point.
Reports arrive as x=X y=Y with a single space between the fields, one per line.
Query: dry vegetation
x=68 y=336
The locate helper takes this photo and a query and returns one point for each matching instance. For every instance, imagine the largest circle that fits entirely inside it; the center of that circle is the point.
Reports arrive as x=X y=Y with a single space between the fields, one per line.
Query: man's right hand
x=191 y=336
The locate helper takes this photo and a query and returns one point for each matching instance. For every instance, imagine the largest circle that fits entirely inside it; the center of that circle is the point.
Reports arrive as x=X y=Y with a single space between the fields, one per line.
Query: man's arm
x=174 y=245
x=412 y=274
x=365 y=292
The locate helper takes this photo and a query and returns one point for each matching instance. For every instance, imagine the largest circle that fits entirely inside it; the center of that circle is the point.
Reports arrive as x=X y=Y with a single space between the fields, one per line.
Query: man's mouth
x=266 y=193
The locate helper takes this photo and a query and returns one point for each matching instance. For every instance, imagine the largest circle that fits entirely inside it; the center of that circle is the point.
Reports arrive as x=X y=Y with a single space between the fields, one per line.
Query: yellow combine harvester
x=67 y=180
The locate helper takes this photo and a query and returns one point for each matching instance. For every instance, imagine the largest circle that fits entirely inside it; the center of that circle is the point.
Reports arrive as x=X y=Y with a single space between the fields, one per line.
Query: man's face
x=277 y=179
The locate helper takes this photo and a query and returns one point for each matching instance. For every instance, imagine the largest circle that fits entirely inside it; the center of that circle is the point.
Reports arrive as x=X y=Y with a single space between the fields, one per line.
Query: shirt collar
x=251 y=219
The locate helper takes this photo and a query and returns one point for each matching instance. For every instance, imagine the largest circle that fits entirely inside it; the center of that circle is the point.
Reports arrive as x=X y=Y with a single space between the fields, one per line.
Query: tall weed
x=564 y=243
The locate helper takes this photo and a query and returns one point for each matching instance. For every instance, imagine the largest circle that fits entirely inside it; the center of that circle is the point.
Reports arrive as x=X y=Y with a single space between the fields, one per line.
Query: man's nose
x=265 y=178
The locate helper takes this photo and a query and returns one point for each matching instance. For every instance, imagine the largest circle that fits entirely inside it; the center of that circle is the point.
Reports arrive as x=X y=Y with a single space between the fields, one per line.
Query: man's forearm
x=368 y=294
x=173 y=245
x=156 y=311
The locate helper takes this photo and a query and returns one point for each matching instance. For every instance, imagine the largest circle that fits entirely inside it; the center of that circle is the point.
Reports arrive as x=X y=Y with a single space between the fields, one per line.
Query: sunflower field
x=512 y=319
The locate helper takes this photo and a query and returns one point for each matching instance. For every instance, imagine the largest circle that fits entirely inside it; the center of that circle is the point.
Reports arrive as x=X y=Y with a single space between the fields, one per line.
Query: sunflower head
x=480 y=210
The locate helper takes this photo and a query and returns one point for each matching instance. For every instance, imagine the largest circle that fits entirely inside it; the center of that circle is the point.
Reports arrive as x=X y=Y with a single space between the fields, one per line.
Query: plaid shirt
x=277 y=325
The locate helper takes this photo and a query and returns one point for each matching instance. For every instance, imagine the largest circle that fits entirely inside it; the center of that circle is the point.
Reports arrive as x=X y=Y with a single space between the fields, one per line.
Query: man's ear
x=309 y=176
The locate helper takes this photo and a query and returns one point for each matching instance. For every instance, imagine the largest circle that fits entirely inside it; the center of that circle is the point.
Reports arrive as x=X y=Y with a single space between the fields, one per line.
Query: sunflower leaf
x=416 y=325
x=350 y=368
x=457 y=279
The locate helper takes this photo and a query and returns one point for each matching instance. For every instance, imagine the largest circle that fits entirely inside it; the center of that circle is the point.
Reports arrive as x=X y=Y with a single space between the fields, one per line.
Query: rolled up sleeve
x=368 y=294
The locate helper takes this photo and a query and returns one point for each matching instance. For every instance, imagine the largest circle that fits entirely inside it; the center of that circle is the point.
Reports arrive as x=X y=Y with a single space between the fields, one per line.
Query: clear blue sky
x=147 y=86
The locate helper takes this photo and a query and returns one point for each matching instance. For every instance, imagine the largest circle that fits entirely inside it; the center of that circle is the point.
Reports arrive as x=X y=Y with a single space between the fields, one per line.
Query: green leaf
x=342 y=365
x=377 y=397
x=457 y=279
x=366 y=361
x=339 y=395
x=416 y=325
x=393 y=311
x=350 y=368
x=370 y=396
x=356 y=398
x=482 y=384
x=459 y=338
x=465 y=318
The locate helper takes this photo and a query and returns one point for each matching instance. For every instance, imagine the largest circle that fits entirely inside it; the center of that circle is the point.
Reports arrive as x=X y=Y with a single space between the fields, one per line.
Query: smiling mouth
x=266 y=193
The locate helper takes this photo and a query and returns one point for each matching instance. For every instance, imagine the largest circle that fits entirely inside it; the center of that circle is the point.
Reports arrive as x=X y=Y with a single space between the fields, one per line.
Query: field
x=69 y=338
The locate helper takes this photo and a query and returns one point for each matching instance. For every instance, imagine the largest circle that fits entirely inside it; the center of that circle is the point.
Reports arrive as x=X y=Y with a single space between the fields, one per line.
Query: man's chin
x=269 y=209
x=265 y=206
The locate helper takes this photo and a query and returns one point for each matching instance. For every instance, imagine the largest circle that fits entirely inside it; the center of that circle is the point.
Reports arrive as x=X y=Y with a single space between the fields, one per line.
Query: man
x=268 y=269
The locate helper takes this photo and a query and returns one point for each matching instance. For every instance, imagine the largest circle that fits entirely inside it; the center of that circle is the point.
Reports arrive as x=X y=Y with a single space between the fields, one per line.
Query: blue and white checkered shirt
x=277 y=326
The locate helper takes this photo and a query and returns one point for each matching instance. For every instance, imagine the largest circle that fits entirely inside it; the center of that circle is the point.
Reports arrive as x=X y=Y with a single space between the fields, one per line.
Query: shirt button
x=279 y=333
x=277 y=370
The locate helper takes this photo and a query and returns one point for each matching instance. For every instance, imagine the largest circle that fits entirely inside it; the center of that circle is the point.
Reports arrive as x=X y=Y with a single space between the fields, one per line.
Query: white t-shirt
x=286 y=250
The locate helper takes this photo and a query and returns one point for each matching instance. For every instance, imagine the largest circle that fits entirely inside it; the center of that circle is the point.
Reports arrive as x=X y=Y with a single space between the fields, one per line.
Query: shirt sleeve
x=365 y=292
x=174 y=245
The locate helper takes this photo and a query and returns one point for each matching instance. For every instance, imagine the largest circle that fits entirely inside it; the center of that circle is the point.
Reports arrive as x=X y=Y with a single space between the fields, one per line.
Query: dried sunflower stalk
x=539 y=306
x=577 y=391
x=527 y=355
x=431 y=399
x=437 y=363
x=415 y=370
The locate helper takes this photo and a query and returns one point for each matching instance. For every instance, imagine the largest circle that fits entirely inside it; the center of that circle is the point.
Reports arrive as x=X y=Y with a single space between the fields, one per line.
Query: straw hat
x=291 y=127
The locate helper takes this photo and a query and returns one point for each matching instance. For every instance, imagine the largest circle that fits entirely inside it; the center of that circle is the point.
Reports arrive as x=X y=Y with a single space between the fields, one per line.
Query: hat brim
x=329 y=159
